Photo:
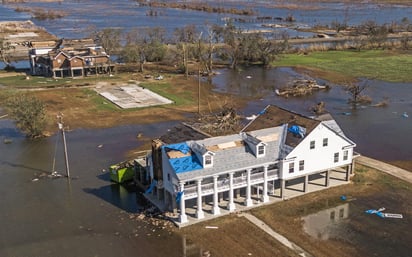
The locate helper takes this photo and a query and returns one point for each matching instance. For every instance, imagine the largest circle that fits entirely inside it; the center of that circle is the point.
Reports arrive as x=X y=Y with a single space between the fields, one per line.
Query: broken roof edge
x=250 y=122
x=339 y=133
x=280 y=116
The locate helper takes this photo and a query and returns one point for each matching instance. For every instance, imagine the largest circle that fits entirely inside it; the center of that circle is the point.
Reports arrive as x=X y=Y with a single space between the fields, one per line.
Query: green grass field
x=373 y=64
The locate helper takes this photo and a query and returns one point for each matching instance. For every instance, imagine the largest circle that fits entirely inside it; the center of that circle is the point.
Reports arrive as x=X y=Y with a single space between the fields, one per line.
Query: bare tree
x=185 y=39
x=271 y=46
x=5 y=48
x=356 y=90
x=108 y=38
x=232 y=37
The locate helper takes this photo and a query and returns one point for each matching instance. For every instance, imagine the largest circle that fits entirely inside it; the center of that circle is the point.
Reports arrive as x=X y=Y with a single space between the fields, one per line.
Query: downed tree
x=224 y=122
x=300 y=87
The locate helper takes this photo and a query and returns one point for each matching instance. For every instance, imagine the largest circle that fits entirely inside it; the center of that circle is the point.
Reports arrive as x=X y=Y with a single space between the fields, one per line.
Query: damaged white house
x=276 y=147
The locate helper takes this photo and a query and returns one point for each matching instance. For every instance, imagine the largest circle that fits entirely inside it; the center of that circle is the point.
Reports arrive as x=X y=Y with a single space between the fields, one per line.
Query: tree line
x=228 y=44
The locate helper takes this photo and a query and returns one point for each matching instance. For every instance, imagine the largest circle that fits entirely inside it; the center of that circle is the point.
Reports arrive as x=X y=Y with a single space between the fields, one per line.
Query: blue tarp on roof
x=297 y=131
x=182 y=147
x=185 y=163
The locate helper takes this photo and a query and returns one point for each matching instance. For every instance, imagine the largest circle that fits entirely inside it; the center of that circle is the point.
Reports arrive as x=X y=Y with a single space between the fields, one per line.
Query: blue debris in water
x=343 y=197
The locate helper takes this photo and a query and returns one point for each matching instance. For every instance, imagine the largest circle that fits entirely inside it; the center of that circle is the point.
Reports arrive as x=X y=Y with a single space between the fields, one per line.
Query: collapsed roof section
x=273 y=116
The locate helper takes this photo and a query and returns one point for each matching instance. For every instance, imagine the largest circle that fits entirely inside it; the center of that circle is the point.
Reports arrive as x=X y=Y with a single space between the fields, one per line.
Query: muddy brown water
x=90 y=216
x=370 y=234
x=85 y=216
x=379 y=132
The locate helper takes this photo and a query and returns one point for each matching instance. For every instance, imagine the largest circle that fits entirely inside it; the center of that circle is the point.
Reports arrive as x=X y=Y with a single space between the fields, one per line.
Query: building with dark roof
x=276 y=147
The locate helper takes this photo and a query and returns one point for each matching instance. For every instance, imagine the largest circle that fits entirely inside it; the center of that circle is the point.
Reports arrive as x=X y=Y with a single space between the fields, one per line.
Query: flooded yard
x=379 y=132
x=90 y=216
x=85 y=216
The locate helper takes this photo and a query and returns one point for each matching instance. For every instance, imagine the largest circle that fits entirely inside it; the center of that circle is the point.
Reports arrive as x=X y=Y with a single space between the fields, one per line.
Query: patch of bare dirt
x=234 y=236
x=82 y=108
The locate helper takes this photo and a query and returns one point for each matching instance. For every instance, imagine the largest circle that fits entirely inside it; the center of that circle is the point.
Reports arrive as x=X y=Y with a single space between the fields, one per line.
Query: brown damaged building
x=68 y=58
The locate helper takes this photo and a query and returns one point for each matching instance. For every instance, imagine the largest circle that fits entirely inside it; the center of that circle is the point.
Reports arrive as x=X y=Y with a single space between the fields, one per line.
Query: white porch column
x=265 y=197
x=216 y=209
x=231 y=206
x=327 y=178
x=305 y=184
x=248 y=201
x=199 y=211
x=183 y=216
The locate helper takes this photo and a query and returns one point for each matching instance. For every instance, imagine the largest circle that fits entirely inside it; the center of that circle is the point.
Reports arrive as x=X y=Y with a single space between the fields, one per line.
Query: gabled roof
x=181 y=133
x=230 y=153
x=273 y=116
x=181 y=157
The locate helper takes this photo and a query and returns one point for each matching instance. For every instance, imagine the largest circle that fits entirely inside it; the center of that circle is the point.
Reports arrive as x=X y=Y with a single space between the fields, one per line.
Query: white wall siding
x=321 y=157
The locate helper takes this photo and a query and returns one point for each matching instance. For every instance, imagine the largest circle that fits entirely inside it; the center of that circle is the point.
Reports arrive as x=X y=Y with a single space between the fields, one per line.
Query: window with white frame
x=312 y=144
x=325 y=142
x=345 y=155
x=208 y=161
x=301 y=165
x=336 y=157
x=291 y=167
x=261 y=150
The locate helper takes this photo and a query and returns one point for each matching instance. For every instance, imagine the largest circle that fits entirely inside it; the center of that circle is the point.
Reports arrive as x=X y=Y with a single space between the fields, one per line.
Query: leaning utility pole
x=61 y=127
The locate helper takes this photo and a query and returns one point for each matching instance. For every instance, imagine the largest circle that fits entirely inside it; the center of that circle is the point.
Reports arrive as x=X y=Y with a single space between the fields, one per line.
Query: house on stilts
x=196 y=175
x=68 y=58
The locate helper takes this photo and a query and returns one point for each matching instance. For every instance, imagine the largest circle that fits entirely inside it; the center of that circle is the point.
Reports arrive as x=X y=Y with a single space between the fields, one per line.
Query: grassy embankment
x=82 y=106
x=343 y=66
x=356 y=236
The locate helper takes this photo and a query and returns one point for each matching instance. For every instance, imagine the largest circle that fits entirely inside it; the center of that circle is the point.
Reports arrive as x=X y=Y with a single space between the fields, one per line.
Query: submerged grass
x=373 y=64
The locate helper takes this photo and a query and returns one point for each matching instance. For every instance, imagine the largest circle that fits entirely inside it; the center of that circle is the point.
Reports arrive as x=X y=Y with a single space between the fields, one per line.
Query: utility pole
x=198 y=92
x=198 y=80
x=61 y=127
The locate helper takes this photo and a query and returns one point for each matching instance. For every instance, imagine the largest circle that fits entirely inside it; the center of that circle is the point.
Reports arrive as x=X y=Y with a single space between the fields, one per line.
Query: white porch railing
x=223 y=184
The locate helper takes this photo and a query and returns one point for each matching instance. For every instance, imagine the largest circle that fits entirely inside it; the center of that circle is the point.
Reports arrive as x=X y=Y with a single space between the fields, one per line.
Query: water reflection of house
x=322 y=225
x=189 y=167
x=68 y=58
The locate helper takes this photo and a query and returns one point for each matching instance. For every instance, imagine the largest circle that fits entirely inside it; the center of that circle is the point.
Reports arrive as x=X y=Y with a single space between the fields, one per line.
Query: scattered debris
x=300 y=87
x=392 y=215
x=99 y=146
x=405 y=115
x=8 y=141
x=252 y=117
x=211 y=227
x=319 y=108
x=224 y=122
x=379 y=212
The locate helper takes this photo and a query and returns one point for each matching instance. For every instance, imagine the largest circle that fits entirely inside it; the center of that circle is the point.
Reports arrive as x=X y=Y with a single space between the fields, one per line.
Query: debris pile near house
x=224 y=122
x=154 y=217
x=300 y=87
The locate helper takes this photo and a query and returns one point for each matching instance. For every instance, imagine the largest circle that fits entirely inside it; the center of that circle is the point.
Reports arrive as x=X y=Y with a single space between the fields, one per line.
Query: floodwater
x=127 y=14
x=379 y=132
x=370 y=234
x=85 y=216
x=90 y=216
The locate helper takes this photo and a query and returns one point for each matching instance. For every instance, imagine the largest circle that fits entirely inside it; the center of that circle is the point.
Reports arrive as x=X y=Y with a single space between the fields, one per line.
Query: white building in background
x=276 y=147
